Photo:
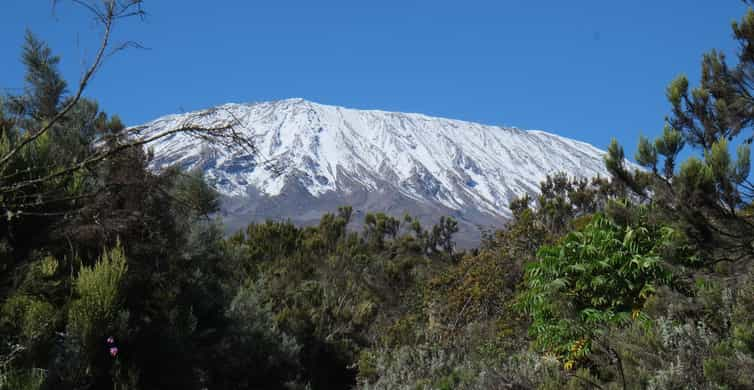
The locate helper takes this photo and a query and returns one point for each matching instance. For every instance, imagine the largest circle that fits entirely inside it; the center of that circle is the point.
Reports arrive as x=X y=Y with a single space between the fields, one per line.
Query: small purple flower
x=113 y=351
x=110 y=340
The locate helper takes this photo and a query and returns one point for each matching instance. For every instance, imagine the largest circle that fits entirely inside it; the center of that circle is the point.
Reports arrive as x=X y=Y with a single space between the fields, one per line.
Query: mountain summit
x=374 y=161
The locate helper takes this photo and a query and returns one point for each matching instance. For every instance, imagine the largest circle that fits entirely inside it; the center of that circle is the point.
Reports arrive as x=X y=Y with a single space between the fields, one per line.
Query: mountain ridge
x=334 y=154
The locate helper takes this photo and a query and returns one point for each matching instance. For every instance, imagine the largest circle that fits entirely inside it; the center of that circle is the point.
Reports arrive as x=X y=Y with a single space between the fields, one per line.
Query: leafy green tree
x=599 y=275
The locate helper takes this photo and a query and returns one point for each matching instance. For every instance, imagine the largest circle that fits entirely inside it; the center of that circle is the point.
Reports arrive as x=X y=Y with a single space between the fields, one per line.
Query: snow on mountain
x=466 y=169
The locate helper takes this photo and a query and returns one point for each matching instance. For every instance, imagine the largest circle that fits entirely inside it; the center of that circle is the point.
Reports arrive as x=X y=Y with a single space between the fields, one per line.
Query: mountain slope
x=373 y=160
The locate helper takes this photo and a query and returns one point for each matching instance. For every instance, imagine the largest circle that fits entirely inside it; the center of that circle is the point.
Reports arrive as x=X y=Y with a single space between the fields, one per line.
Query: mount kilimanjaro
x=372 y=160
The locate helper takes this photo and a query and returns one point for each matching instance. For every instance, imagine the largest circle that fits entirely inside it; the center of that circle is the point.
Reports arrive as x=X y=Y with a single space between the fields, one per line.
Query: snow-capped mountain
x=372 y=160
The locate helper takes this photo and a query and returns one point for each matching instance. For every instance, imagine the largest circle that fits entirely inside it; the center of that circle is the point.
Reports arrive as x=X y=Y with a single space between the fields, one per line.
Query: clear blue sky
x=587 y=69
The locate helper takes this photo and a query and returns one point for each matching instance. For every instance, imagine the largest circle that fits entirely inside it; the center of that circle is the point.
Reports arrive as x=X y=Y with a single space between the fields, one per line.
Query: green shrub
x=97 y=287
x=597 y=276
x=30 y=317
x=731 y=364
x=28 y=379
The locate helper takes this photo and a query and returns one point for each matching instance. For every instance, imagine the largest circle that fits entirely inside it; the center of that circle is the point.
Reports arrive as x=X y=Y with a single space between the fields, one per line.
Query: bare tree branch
x=108 y=21
x=222 y=133
x=226 y=134
x=127 y=45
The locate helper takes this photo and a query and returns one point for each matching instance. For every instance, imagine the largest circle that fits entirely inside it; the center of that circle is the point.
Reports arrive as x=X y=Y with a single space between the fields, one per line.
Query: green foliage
x=622 y=176
x=98 y=288
x=31 y=317
x=614 y=159
x=731 y=362
x=45 y=84
x=646 y=154
x=563 y=200
x=726 y=173
x=378 y=226
x=254 y=352
x=193 y=193
x=740 y=172
x=32 y=178
x=336 y=292
x=597 y=276
x=690 y=343
x=695 y=180
x=677 y=89
x=669 y=144
x=475 y=288
x=21 y=379
x=441 y=236
x=634 y=282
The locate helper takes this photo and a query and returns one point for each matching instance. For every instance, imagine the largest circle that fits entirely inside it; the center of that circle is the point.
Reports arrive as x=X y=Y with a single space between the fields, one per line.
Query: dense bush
x=598 y=276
